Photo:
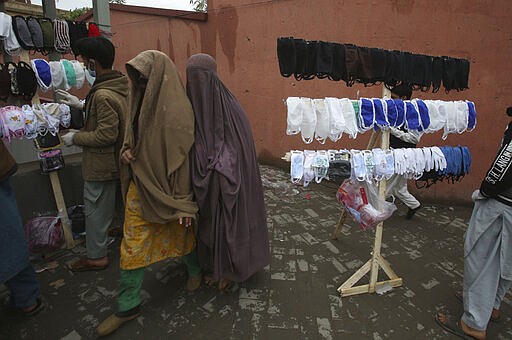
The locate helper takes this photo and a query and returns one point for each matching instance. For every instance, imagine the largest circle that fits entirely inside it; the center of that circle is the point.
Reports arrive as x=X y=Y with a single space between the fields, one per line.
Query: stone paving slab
x=294 y=297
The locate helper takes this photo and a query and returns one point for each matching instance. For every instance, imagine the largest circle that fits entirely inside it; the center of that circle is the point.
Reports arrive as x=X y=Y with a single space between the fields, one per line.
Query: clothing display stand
x=377 y=261
x=55 y=181
x=429 y=71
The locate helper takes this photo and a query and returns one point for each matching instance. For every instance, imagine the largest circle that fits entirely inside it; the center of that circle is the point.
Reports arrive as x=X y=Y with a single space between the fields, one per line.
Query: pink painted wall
x=241 y=35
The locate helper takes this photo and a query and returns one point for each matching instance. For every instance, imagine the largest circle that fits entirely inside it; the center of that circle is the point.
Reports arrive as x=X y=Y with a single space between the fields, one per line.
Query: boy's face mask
x=91 y=67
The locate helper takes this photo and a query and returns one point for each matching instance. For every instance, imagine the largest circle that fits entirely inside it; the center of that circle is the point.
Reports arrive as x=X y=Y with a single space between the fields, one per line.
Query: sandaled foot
x=455 y=327
x=208 y=280
x=194 y=282
x=85 y=264
x=35 y=309
x=224 y=285
x=112 y=323
x=495 y=315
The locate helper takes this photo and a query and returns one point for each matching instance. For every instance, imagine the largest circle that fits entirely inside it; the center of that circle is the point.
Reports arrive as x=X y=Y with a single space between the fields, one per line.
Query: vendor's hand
x=127 y=156
x=477 y=195
x=187 y=221
x=63 y=97
x=68 y=137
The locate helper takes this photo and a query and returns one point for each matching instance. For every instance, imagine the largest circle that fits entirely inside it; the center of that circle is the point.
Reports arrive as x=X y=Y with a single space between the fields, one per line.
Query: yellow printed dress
x=145 y=243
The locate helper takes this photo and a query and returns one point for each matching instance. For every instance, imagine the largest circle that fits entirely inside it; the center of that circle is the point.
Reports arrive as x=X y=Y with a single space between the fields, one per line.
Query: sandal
x=224 y=285
x=84 y=265
x=452 y=326
x=495 y=315
x=34 y=311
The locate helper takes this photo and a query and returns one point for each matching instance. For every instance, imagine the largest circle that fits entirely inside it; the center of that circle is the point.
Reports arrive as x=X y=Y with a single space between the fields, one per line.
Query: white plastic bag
x=362 y=201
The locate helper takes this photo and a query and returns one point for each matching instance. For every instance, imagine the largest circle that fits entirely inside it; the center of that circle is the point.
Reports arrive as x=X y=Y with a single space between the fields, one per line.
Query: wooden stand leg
x=339 y=226
x=372 y=265
x=61 y=207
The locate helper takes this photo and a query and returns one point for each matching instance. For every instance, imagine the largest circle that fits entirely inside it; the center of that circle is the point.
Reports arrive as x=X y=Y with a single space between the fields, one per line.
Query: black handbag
x=47 y=142
x=77 y=118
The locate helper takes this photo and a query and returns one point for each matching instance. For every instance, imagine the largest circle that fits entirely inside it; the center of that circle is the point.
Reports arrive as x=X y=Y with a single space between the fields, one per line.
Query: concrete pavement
x=294 y=297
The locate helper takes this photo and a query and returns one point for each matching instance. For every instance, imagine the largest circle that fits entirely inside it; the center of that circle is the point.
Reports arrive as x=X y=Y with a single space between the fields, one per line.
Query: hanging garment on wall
x=26 y=80
x=34 y=121
x=369 y=66
x=77 y=30
x=36 y=33
x=11 y=44
x=13 y=123
x=22 y=32
x=61 y=34
x=43 y=73
x=331 y=117
x=48 y=34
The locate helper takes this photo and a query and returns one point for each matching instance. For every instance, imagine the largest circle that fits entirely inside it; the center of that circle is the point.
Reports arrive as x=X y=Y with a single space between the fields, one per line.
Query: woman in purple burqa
x=232 y=226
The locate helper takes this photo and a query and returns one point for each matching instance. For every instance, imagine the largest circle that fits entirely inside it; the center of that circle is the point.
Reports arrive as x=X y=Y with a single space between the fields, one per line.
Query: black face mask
x=300 y=58
x=311 y=55
x=437 y=73
x=286 y=56
x=351 y=63
x=324 y=59
x=339 y=70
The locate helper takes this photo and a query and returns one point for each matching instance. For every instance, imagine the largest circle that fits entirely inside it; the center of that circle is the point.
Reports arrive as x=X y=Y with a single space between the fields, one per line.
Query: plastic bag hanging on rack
x=364 y=204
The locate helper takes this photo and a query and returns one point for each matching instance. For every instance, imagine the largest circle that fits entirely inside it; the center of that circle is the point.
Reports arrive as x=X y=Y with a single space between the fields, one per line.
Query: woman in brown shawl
x=232 y=227
x=155 y=179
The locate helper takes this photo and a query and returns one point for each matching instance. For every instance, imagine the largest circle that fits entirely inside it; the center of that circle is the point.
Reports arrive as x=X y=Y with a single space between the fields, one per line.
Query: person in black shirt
x=487 y=248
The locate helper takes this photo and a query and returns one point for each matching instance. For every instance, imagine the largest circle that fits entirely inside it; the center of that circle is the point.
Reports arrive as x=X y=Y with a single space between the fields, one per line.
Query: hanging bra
x=79 y=73
x=31 y=122
x=13 y=122
x=43 y=73
x=58 y=77
x=69 y=72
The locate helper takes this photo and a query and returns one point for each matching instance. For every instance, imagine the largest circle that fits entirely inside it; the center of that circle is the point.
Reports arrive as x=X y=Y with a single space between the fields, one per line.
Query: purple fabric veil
x=232 y=233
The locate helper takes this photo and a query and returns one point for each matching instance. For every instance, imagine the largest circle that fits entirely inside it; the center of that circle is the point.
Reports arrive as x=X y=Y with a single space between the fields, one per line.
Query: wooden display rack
x=54 y=179
x=376 y=261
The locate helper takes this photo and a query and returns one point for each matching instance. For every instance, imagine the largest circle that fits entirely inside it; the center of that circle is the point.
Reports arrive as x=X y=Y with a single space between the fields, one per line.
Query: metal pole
x=50 y=11
x=101 y=13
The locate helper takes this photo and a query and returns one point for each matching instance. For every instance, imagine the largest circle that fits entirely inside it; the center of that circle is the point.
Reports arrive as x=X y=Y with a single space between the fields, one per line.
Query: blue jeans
x=24 y=288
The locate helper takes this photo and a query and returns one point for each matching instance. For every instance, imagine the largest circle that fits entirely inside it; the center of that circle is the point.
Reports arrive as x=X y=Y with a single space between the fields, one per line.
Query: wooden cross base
x=347 y=289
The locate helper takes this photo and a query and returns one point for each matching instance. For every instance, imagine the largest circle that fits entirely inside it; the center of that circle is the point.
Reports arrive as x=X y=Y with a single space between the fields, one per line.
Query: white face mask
x=308 y=124
x=89 y=77
x=90 y=73
x=294 y=116
x=322 y=120
x=91 y=68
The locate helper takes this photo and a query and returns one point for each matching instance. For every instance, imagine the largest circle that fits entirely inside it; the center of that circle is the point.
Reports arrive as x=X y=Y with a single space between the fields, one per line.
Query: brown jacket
x=7 y=163
x=102 y=135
